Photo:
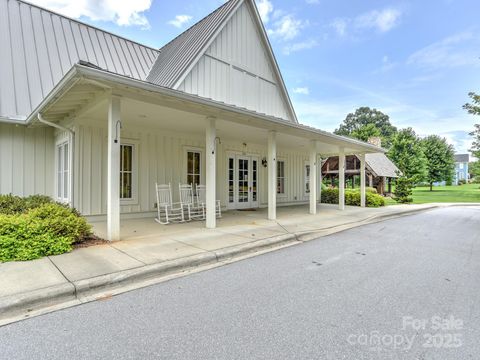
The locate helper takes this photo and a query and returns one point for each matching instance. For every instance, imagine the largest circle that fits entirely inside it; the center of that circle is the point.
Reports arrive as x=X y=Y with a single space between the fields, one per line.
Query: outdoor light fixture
x=117 y=130
x=264 y=162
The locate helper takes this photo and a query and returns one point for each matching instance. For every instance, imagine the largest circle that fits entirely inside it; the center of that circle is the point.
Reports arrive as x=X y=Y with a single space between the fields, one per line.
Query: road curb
x=82 y=289
x=52 y=295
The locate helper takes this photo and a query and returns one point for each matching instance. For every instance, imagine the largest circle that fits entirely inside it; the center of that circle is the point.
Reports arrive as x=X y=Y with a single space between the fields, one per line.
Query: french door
x=242 y=182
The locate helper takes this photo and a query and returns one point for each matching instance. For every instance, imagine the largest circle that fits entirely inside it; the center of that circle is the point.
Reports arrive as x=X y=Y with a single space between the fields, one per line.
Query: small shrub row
x=33 y=227
x=352 y=197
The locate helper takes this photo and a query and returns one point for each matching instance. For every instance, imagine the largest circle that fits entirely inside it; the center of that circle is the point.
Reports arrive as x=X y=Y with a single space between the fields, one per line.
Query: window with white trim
x=280 y=177
x=307 y=178
x=194 y=167
x=63 y=172
x=126 y=171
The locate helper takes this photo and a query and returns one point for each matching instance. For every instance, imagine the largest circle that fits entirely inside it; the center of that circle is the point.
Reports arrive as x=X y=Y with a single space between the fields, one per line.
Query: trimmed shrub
x=352 y=197
x=33 y=227
x=462 y=182
x=403 y=190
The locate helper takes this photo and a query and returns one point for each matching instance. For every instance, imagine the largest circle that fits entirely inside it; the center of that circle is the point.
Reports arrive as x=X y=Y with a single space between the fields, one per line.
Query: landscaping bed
x=36 y=226
x=352 y=197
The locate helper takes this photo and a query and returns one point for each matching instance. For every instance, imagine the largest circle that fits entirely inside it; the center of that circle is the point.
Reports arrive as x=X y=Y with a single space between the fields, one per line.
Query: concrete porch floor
x=149 y=242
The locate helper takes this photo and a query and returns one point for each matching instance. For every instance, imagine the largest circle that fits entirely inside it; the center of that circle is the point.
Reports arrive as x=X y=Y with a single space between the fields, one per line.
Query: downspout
x=72 y=151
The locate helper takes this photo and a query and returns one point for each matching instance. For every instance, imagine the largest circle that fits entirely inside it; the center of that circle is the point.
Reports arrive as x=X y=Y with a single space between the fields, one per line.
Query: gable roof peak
x=178 y=54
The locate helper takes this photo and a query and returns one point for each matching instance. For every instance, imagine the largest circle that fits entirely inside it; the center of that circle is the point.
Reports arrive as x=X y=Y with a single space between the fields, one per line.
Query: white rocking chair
x=187 y=201
x=201 y=192
x=167 y=210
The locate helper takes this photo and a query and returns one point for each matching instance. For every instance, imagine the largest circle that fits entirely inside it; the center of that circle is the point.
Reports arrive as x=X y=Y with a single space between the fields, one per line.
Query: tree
x=407 y=153
x=474 y=108
x=403 y=190
x=366 y=132
x=440 y=159
x=474 y=169
x=364 y=116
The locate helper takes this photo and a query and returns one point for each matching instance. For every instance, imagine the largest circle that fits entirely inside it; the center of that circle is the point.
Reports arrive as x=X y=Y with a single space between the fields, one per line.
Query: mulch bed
x=90 y=241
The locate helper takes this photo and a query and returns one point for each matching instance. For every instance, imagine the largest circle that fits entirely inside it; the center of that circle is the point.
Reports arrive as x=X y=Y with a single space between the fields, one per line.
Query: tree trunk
x=431 y=186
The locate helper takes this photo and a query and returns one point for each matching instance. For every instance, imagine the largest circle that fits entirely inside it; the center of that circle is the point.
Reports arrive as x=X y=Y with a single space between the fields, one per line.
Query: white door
x=242 y=182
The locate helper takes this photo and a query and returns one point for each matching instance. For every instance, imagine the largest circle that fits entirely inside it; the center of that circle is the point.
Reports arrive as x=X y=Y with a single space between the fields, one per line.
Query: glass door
x=243 y=182
x=242 y=179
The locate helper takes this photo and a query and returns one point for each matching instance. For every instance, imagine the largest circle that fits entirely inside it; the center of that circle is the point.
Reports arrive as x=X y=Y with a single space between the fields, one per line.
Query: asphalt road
x=407 y=288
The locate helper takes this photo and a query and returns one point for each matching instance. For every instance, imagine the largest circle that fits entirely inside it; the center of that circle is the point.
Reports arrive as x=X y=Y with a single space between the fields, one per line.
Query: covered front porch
x=127 y=135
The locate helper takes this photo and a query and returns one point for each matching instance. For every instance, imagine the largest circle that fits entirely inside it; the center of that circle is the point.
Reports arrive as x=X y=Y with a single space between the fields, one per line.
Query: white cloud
x=382 y=20
x=303 y=45
x=453 y=51
x=123 y=13
x=180 y=20
x=265 y=7
x=301 y=90
x=286 y=28
x=340 y=26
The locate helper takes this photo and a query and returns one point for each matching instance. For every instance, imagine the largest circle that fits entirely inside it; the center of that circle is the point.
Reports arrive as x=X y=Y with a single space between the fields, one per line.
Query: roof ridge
x=86 y=24
x=195 y=24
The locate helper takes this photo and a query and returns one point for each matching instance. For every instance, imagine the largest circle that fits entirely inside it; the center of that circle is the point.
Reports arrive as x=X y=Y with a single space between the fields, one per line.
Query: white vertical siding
x=161 y=158
x=26 y=160
x=237 y=70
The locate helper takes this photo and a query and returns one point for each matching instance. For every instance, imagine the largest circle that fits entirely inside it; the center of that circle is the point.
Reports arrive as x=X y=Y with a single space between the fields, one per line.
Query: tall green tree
x=355 y=124
x=440 y=159
x=366 y=132
x=474 y=108
x=407 y=153
x=474 y=169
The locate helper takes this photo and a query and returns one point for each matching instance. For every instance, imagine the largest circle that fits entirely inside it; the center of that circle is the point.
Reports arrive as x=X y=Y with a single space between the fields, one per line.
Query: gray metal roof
x=39 y=47
x=381 y=165
x=462 y=158
x=176 y=56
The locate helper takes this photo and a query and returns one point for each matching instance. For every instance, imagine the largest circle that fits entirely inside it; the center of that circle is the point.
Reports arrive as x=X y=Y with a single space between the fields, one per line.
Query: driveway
x=407 y=288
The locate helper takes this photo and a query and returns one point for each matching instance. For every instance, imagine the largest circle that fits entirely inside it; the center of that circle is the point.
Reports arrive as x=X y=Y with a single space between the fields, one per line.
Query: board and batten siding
x=26 y=160
x=161 y=158
x=236 y=70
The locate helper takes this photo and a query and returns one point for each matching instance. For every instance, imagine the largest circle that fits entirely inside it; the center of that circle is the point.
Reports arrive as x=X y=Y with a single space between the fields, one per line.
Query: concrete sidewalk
x=149 y=251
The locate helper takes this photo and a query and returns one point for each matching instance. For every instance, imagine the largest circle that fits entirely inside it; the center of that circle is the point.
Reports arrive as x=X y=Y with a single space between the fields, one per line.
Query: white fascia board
x=80 y=71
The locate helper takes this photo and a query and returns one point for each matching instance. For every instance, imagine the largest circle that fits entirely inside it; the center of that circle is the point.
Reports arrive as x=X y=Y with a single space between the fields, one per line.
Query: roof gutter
x=69 y=80
x=77 y=72
x=108 y=76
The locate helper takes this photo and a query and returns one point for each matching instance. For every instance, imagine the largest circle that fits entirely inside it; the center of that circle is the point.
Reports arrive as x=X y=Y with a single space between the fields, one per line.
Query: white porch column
x=272 y=175
x=210 y=157
x=341 y=180
x=113 y=169
x=320 y=179
x=362 y=180
x=313 y=177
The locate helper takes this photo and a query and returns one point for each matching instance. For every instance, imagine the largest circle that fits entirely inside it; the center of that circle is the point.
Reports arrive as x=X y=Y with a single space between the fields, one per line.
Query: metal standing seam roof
x=39 y=47
x=381 y=165
x=176 y=56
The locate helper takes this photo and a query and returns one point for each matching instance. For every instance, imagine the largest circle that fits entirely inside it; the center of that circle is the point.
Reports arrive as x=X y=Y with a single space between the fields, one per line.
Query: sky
x=414 y=60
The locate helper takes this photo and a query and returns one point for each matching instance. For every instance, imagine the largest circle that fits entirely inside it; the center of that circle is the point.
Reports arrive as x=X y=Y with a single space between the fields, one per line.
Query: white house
x=95 y=120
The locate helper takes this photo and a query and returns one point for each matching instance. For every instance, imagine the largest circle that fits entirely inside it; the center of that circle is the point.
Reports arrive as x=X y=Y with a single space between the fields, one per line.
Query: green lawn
x=461 y=193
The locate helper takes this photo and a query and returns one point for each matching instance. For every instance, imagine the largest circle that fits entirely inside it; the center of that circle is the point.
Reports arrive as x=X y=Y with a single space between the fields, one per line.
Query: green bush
x=462 y=182
x=10 y=204
x=352 y=197
x=33 y=227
